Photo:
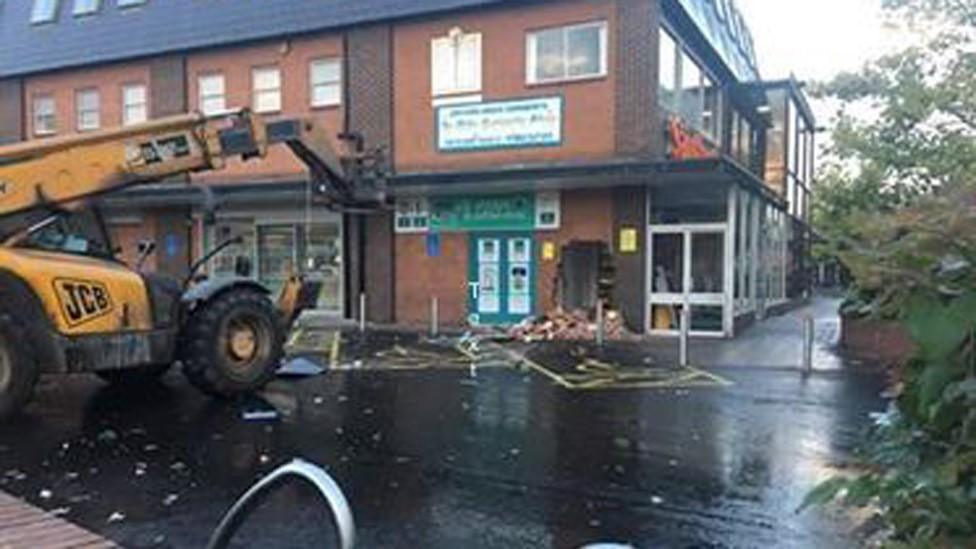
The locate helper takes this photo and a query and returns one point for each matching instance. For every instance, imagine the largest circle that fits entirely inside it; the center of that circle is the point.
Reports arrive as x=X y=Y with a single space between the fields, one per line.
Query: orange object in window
x=686 y=144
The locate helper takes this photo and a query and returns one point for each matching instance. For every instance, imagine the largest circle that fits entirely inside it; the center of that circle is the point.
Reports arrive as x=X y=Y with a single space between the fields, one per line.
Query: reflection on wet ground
x=450 y=458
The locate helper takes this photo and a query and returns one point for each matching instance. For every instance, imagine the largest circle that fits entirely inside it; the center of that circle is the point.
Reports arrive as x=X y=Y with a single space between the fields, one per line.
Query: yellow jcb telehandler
x=67 y=305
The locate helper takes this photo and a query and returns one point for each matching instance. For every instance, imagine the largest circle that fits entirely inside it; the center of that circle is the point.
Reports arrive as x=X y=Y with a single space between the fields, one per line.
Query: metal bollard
x=683 y=339
x=362 y=313
x=601 y=329
x=808 y=332
x=435 y=323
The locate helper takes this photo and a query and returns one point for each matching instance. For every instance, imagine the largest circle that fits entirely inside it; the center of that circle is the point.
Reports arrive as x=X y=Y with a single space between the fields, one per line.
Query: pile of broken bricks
x=562 y=325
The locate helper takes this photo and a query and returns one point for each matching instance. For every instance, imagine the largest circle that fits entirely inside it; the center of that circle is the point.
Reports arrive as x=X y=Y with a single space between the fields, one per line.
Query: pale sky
x=815 y=39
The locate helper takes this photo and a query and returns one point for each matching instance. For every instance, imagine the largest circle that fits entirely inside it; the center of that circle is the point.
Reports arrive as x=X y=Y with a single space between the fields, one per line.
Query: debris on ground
x=116 y=517
x=259 y=415
x=108 y=435
x=563 y=325
x=300 y=367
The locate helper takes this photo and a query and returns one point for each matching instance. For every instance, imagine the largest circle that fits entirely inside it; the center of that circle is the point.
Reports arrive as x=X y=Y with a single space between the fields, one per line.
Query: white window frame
x=257 y=94
x=204 y=96
x=37 y=128
x=140 y=106
x=548 y=203
x=409 y=211
x=45 y=11
x=313 y=84
x=86 y=7
x=81 y=123
x=448 y=80
x=531 y=57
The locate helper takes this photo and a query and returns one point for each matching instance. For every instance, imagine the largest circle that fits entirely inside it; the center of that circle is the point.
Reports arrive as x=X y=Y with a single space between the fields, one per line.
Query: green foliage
x=919 y=265
x=897 y=205
x=907 y=122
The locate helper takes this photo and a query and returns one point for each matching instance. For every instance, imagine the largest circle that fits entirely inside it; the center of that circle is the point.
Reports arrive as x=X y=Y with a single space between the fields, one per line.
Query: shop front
x=718 y=250
x=485 y=246
x=274 y=244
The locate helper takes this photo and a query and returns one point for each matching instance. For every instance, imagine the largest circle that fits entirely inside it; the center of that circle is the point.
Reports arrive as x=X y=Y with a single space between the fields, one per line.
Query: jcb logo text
x=81 y=300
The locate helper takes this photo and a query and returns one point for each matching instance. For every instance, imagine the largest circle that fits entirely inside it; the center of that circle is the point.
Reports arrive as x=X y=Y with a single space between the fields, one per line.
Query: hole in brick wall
x=586 y=274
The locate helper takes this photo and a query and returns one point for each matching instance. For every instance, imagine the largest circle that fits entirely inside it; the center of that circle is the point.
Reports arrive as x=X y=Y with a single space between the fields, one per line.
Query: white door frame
x=687 y=298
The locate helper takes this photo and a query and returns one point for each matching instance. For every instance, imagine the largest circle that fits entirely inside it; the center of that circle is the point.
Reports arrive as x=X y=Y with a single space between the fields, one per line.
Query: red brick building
x=541 y=154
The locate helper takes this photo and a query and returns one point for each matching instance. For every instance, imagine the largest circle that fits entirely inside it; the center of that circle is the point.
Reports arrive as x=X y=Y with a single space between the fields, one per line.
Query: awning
x=578 y=176
x=509 y=179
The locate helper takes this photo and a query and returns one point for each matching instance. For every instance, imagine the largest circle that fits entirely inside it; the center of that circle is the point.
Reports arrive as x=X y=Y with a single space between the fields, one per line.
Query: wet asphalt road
x=440 y=459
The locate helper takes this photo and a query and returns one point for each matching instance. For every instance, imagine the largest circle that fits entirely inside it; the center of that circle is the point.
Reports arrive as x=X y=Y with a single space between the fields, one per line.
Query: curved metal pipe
x=303 y=470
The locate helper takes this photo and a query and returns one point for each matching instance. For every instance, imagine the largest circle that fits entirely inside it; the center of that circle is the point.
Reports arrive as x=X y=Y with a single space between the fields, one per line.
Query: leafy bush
x=920 y=464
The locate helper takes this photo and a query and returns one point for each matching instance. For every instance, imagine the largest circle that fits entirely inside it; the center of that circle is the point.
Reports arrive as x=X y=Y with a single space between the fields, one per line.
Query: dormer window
x=86 y=7
x=44 y=11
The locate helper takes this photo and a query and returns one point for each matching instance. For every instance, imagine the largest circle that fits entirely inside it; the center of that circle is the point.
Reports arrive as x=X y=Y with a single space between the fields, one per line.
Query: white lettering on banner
x=536 y=122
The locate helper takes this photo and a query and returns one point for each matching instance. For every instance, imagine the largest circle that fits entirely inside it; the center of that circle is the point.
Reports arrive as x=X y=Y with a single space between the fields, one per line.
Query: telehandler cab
x=67 y=305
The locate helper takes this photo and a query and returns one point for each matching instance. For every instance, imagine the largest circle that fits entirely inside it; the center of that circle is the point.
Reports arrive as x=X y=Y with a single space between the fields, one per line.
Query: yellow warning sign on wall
x=628 y=240
x=548 y=251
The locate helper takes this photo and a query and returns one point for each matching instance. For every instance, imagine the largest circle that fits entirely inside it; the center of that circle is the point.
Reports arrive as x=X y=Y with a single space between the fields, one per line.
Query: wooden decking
x=23 y=526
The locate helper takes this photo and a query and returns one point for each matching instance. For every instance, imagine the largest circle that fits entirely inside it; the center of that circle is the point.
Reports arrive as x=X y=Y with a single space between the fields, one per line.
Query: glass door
x=277 y=259
x=323 y=264
x=688 y=271
x=502 y=278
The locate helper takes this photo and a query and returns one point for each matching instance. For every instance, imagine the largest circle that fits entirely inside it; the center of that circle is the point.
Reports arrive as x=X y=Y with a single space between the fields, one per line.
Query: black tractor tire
x=232 y=345
x=19 y=366
x=143 y=375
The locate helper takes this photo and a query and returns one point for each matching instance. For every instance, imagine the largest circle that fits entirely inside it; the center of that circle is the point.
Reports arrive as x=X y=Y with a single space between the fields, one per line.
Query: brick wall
x=292 y=57
x=167 y=82
x=588 y=128
x=587 y=215
x=630 y=212
x=11 y=117
x=635 y=93
x=369 y=71
x=108 y=80
x=419 y=277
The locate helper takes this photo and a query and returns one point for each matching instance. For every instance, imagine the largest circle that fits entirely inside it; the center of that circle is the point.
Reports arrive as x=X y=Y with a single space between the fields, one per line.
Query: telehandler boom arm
x=60 y=173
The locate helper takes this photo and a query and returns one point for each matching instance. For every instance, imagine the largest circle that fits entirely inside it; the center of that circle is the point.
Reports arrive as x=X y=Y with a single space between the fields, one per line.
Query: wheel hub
x=242 y=341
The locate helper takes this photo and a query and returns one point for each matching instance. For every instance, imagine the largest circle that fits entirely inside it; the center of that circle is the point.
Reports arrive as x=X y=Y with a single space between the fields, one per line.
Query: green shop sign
x=510 y=212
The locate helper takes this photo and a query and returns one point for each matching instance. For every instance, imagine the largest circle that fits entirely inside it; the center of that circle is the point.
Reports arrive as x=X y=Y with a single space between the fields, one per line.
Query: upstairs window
x=86 y=7
x=44 y=11
x=692 y=100
x=211 y=90
x=685 y=89
x=567 y=53
x=267 y=89
x=134 y=104
x=668 y=70
x=87 y=110
x=325 y=77
x=712 y=115
x=44 y=116
x=456 y=63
